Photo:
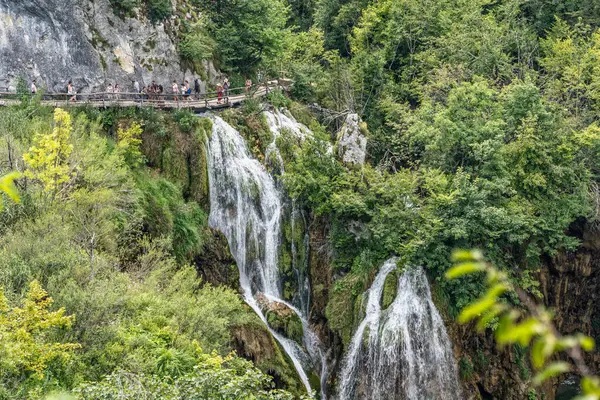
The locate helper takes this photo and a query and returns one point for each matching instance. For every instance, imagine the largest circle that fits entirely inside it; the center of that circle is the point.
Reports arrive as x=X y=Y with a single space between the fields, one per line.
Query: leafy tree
x=197 y=45
x=48 y=158
x=129 y=142
x=158 y=10
x=249 y=32
x=27 y=347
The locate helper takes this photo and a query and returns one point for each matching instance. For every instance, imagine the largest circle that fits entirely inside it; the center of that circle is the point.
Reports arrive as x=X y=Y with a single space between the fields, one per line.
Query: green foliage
x=113 y=251
x=124 y=8
x=214 y=377
x=465 y=368
x=158 y=10
x=48 y=159
x=533 y=328
x=26 y=343
x=165 y=213
x=129 y=141
x=249 y=32
x=278 y=99
x=197 y=45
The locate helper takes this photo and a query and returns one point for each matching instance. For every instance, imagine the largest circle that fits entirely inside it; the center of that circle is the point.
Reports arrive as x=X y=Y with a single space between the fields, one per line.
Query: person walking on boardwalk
x=175 y=91
x=33 y=88
x=136 y=89
x=219 y=94
x=226 y=87
x=197 y=88
x=248 y=85
x=188 y=90
x=71 y=92
x=153 y=89
x=109 y=91
x=117 y=91
x=183 y=90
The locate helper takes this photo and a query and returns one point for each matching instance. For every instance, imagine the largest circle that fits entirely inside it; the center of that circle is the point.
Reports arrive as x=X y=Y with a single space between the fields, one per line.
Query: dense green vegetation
x=482 y=134
x=481 y=118
x=99 y=291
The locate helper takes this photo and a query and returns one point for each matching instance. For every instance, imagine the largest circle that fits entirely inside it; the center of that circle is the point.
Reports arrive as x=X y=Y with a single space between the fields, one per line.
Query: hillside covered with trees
x=479 y=121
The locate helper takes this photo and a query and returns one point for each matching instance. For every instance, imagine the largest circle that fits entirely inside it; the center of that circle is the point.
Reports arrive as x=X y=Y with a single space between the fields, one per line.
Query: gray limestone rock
x=55 y=41
x=352 y=142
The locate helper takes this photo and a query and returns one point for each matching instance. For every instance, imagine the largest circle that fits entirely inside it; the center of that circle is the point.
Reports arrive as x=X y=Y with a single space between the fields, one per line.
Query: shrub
x=158 y=10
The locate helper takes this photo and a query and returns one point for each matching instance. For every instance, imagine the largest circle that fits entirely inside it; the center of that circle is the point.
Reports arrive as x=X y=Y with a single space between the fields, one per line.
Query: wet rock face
x=352 y=145
x=571 y=287
x=281 y=318
x=216 y=265
x=54 y=41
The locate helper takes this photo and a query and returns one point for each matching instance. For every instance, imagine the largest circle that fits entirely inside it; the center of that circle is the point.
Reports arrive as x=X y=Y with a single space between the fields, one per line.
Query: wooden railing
x=206 y=100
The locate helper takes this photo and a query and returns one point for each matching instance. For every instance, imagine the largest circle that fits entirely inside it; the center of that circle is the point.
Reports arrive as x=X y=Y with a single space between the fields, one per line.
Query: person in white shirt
x=71 y=92
x=175 y=91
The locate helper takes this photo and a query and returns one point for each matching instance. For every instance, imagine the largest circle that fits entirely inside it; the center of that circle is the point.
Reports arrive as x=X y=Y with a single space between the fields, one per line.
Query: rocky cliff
x=55 y=41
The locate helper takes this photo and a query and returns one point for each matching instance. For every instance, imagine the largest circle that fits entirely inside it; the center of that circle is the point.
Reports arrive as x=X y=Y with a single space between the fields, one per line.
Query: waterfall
x=279 y=121
x=246 y=206
x=402 y=352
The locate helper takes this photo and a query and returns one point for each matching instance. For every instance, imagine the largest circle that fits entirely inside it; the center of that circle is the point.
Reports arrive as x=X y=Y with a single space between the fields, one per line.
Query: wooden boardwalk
x=161 y=101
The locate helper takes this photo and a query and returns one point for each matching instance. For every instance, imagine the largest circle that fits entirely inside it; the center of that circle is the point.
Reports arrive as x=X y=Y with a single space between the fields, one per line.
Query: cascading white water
x=402 y=352
x=247 y=207
x=279 y=121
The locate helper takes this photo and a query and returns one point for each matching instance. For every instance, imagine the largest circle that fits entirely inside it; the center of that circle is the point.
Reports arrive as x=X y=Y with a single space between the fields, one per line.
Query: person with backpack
x=33 y=88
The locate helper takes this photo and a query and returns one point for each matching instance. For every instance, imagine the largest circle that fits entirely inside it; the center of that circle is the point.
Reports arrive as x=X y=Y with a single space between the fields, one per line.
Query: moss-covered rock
x=175 y=144
x=293 y=252
x=253 y=341
x=282 y=319
x=215 y=264
x=390 y=289
x=341 y=308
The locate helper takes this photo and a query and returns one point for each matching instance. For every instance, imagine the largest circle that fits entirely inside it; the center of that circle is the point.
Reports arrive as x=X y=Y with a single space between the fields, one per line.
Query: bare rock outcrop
x=54 y=41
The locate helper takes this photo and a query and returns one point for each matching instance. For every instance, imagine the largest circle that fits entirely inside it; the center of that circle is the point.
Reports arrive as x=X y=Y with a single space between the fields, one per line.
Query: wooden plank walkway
x=162 y=101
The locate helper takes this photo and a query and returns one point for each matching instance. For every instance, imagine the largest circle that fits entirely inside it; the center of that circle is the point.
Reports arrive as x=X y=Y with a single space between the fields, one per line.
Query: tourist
x=219 y=93
x=248 y=84
x=117 y=91
x=226 y=87
x=109 y=91
x=197 y=88
x=33 y=88
x=175 y=90
x=136 y=89
x=188 y=90
x=152 y=89
x=71 y=92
